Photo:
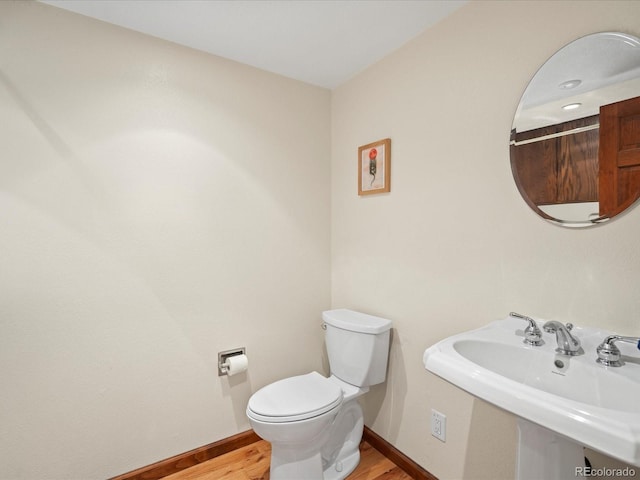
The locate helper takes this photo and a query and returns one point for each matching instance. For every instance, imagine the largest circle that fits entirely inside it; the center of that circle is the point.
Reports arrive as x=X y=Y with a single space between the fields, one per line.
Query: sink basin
x=575 y=397
x=578 y=381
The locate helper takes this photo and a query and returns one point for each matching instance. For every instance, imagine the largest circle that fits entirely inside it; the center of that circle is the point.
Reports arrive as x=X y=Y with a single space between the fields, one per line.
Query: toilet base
x=332 y=455
x=295 y=464
x=341 y=453
x=290 y=466
x=342 y=467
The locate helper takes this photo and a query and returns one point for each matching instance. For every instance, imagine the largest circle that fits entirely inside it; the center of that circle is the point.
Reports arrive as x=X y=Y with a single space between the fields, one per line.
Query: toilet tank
x=357 y=345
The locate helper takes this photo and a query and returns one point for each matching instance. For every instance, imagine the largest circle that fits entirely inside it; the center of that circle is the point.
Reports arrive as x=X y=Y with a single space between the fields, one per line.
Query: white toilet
x=314 y=423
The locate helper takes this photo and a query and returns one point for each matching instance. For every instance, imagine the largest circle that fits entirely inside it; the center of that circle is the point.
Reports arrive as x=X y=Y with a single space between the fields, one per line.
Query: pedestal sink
x=563 y=403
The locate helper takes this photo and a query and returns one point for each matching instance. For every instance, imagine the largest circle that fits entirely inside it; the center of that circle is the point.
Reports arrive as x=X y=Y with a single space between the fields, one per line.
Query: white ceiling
x=322 y=42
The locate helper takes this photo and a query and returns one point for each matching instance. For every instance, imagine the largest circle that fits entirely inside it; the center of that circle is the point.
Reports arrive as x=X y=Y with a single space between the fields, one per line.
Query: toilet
x=315 y=423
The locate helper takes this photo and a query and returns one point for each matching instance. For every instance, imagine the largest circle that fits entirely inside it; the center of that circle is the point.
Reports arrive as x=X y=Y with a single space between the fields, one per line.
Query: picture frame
x=374 y=167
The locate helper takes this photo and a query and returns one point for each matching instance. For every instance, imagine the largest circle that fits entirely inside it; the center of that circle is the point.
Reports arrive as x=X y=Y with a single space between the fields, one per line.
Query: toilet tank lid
x=356 y=321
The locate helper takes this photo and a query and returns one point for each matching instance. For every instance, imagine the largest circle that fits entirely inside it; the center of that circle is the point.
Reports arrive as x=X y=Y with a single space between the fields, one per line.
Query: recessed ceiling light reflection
x=572 y=106
x=569 y=84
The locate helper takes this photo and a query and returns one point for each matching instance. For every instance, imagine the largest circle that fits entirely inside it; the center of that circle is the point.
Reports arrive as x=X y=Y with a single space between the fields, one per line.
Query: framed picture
x=374 y=167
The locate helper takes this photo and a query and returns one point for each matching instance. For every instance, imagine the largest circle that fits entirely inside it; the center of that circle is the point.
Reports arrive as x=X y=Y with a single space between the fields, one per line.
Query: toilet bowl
x=315 y=423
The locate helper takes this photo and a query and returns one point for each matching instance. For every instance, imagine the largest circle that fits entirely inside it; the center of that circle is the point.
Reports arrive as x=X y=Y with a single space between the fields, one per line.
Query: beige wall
x=157 y=205
x=453 y=246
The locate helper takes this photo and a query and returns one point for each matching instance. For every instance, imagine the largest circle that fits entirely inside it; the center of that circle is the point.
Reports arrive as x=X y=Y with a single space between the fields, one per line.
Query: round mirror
x=575 y=139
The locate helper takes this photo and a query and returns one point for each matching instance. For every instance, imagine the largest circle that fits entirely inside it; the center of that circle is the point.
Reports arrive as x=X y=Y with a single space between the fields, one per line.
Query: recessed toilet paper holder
x=222 y=359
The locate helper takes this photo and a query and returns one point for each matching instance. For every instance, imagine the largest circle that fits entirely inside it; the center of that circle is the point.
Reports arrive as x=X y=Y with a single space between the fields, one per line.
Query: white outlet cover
x=439 y=425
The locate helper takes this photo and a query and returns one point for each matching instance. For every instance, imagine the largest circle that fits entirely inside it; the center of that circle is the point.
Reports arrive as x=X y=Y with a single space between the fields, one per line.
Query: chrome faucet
x=567 y=343
x=532 y=334
x=609 y=354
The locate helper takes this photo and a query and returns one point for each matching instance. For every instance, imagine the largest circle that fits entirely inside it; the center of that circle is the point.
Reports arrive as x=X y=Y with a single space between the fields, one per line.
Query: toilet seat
x=294 y=399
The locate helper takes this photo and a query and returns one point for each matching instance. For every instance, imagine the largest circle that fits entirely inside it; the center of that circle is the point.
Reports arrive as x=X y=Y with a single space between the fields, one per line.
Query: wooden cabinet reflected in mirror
x=593 y=160
x=555 y=166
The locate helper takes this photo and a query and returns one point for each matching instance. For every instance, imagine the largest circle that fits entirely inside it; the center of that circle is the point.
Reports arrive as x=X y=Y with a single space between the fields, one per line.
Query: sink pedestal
x=545 y=454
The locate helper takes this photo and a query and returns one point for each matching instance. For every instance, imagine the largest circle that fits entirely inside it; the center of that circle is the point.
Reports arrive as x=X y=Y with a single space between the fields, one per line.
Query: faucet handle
x=532 y=334
x=608 y=352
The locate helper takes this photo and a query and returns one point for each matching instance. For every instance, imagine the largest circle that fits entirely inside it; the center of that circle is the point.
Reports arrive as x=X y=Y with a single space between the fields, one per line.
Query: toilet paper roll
x=237 y=364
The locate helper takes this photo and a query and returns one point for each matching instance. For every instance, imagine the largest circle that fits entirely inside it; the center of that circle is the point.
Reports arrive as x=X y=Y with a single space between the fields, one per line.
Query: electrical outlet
x=439 y=425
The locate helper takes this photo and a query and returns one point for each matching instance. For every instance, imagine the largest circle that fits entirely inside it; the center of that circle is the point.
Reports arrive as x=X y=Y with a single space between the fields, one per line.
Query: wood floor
x=252 y=463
